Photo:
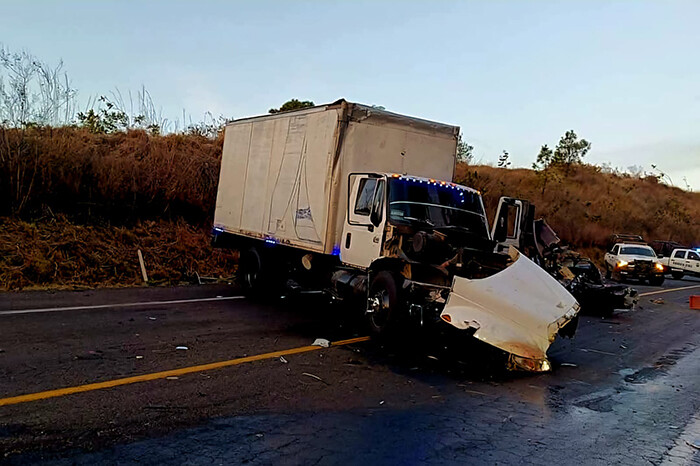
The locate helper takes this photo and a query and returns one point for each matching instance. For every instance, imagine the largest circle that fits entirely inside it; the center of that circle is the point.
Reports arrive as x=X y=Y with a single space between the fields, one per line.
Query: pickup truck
x=633 y=260
x=681 y=262
x=359 y=203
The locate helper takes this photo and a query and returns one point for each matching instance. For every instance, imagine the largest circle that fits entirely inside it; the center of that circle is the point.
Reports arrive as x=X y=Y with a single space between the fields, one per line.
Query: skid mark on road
x=120 y=305
x=649 y=293
x=163 y=374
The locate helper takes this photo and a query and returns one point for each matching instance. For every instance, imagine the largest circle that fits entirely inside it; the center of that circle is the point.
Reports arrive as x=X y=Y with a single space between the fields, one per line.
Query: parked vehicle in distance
x=633 y=259
x=664 y=248
x=359 y=203
x=682 y=261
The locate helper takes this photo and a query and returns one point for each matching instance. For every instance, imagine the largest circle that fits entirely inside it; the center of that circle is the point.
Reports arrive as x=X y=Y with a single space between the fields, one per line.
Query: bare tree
x=33 y=92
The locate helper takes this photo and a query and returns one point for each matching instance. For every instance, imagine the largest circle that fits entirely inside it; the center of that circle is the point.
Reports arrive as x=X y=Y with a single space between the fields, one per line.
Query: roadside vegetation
x=83 y=191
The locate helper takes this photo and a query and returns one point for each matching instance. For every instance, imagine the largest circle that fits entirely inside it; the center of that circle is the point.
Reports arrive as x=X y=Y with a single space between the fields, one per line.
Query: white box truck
x=359 y=202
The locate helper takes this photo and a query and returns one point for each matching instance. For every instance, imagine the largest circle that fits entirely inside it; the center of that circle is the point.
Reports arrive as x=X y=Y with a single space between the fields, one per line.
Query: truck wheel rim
x=380 y=308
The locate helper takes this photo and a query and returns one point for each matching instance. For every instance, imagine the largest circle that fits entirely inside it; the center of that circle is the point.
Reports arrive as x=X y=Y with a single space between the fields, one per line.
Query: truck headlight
x=659 y=267
x=621 y=264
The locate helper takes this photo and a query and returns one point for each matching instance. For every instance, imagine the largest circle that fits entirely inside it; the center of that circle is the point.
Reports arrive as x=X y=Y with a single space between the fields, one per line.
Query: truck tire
x=250 y=268
x=656 y=281
x=258 y=276
x=677 y=274
x=384 y=304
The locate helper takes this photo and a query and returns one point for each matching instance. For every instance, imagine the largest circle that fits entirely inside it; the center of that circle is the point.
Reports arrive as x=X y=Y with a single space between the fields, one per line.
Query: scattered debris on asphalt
x=172 y=378
x=381 y=402
x=90 y=355
x=139 y=357
x=152 y=318
x=283 y=360
x=586 y=350
x=695 y=443
x=181 y=348
x=475 y=392
x=568 y=364
x=2 y=350
x=314 y=377
x=658 y=301
x=623 y=347
x=321 y=342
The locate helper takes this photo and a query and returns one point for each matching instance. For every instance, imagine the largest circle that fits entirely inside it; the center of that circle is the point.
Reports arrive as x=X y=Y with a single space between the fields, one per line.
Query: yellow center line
x=163 y=374
x=669 y=290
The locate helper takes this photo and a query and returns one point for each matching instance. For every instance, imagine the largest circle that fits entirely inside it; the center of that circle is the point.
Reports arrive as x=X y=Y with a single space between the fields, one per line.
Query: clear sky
x=513 y=74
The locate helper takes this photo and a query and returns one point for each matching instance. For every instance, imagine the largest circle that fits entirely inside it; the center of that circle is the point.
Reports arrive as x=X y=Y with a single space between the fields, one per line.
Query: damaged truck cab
x=358 y=202
x=429 y=256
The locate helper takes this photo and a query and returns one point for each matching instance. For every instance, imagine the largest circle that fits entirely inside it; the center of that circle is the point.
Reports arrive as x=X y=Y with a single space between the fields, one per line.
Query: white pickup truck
x=633 y=260
x=681 y=262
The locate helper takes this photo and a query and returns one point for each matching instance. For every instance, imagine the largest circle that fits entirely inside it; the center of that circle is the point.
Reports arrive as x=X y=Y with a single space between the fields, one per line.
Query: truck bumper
x=519 y=310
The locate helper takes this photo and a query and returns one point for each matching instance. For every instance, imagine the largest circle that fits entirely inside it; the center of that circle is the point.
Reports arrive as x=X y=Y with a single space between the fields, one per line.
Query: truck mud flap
x=519 y=310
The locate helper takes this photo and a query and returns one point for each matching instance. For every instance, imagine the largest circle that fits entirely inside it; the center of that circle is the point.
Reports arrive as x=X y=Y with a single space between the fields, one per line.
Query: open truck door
x=514 y=226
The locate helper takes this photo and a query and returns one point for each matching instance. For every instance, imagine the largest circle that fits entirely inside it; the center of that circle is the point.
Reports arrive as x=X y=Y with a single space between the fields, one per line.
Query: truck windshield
x=638 y=251
x=417 y=202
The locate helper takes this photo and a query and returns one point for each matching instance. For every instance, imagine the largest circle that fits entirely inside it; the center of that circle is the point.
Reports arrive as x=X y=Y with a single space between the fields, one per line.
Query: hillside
x=78 y=205
x=586 y=206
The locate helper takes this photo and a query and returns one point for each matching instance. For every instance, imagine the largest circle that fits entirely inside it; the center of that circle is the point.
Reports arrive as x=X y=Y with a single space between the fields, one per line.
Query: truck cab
x=421 y=249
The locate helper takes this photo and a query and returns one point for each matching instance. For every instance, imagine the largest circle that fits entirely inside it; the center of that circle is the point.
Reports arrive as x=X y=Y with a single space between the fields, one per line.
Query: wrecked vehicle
x=355 y=201
x=515 y=226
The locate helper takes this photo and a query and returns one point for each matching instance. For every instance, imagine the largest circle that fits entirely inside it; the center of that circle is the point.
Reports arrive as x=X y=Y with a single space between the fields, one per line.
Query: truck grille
x=643 y=266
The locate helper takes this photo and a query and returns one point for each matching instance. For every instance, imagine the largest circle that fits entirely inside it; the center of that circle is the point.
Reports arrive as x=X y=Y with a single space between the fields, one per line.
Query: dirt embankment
x=586 y=206
x=77 y=206
x=59 y=253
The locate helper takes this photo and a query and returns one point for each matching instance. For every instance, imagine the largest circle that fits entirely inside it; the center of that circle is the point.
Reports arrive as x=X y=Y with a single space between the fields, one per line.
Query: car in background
x=633 y=259
x=682 y=261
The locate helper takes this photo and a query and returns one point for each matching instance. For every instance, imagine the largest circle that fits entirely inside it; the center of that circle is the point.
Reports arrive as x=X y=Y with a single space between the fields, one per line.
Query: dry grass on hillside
x=123 y=176
x=587 y=206
x=56 y=252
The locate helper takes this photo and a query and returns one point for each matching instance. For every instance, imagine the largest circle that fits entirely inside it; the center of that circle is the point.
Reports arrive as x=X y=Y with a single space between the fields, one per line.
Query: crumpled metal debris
x=321 y=342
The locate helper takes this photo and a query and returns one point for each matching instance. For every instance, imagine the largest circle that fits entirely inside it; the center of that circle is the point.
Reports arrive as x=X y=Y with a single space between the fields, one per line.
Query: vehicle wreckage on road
x=515 y=226
x=359 y=202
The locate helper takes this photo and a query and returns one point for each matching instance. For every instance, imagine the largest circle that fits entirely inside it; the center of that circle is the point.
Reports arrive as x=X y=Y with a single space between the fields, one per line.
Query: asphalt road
x=625 y=390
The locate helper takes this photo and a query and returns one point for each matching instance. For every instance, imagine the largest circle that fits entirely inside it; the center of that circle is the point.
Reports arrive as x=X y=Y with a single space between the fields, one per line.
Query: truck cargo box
x=284 y=177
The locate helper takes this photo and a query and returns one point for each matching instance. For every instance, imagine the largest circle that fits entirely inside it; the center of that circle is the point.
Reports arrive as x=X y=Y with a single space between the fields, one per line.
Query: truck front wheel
x=656 y=281
x=677 y=274
x=383 y=303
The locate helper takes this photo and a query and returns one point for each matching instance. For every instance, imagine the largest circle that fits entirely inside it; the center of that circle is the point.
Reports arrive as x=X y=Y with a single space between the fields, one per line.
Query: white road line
x=668 y=291
x=112 y=306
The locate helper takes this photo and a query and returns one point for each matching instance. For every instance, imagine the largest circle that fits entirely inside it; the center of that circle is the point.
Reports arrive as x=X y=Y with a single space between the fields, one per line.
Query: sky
x=514 y=75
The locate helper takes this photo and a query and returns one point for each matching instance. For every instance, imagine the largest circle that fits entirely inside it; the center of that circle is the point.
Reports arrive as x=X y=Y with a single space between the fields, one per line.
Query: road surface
x=77 y=385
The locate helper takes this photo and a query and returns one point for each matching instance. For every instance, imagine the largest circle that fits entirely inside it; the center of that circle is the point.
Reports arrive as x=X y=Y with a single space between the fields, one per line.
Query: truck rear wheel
x=383 y=303
x=250 y=270
x=258 y=276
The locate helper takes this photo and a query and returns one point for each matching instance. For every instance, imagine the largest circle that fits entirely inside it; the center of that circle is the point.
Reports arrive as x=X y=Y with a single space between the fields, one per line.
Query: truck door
x=364 y=221
x=678 y=260
x=507 y=225
x=692 y=262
